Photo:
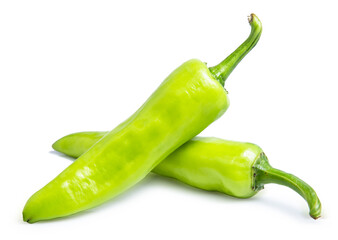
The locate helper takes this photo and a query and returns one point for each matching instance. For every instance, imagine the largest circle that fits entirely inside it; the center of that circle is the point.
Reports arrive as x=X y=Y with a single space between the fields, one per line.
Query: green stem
x=264 y=174
x=223 y=70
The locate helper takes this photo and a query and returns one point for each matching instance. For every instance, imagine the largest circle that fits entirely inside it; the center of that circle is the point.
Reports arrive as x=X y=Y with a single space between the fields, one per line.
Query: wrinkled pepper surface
x=186 y=102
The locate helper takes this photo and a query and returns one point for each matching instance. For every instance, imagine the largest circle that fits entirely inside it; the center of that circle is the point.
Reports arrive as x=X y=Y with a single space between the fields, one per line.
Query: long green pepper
x=186 y=102
x=237 y=169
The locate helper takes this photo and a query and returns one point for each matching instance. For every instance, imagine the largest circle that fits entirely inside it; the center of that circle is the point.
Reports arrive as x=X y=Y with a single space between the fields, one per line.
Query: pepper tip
x=251 y=17
x=315 y=217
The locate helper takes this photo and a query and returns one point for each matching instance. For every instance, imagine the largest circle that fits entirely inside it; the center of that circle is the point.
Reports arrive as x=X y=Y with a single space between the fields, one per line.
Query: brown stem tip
x=250 y=17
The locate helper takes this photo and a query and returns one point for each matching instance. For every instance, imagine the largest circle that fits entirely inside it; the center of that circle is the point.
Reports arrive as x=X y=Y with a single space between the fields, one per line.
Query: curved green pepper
x=235 y=168
x=186 y=102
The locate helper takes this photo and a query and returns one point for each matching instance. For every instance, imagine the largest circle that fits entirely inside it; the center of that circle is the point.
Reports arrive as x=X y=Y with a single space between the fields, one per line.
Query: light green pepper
x=186 y=102
x=235 y=168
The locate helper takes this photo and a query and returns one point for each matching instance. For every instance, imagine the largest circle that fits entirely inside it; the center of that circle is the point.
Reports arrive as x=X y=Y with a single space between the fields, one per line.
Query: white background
x=68 y=66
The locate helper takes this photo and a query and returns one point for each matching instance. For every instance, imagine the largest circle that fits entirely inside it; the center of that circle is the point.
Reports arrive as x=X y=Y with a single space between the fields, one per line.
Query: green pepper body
x=130 y=151
x=237 y=169
x=213 y=164
x=186 y=102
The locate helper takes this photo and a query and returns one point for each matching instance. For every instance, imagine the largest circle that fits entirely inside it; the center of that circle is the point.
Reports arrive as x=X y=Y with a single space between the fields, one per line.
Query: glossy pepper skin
x=186 y=102
x=237 y=169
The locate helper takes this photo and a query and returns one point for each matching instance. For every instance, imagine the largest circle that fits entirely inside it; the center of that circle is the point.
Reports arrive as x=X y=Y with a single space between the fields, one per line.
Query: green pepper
x=186 y=102
x=235 y=168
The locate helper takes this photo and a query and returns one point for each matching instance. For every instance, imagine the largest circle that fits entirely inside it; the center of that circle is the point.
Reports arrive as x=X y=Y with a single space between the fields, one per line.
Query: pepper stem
x=223 y=70
x=264 y=174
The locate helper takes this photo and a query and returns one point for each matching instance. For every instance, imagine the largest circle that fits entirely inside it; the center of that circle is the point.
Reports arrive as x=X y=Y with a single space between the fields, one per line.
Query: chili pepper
x=235 y=168
x=186 y=102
